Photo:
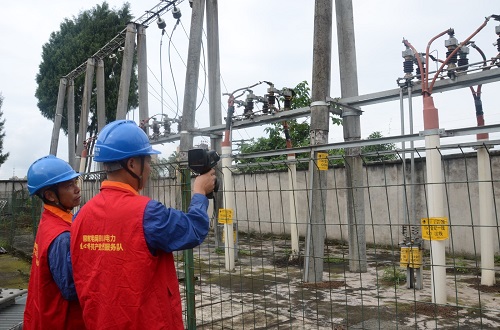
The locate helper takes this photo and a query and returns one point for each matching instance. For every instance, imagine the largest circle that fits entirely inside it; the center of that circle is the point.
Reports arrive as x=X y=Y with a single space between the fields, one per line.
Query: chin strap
x=56 y=204
x=123 y=163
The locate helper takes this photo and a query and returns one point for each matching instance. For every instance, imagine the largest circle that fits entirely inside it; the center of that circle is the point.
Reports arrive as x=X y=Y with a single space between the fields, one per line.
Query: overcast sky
x=259 y=40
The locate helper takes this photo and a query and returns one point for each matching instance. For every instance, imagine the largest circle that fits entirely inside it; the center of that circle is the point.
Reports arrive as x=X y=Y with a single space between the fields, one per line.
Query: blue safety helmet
x=48 y=171
x=121 y=139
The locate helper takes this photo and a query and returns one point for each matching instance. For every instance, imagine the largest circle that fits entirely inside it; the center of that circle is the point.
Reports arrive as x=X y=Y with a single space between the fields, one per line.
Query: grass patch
x=334 y=260
x=15 y=272
x=462 y=266
x=393 y=275
x=242 y=252
x=5 y=244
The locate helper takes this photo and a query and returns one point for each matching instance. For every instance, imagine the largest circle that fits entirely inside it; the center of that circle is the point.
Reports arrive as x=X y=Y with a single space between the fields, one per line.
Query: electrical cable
x=161 y=69
x=476 y=95
x=456 y=50
x=426 y=87
x=204 y=70
x=171 y=70
x=203 y=65
x=205 y=76
x=169 y=96
x=158 y=99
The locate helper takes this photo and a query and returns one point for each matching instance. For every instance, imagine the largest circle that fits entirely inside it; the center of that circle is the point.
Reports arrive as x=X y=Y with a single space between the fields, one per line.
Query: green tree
x=166 y=167
x=3 y=157
x=299 y=132
x=378 y=149
x=77 y=40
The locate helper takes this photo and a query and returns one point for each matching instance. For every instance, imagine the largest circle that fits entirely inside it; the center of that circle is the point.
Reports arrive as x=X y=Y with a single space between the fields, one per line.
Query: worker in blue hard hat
x=52 y=301
x=122 y=242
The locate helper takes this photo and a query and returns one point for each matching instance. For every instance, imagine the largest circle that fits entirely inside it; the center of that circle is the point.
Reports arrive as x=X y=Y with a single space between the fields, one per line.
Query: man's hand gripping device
x=201 y=161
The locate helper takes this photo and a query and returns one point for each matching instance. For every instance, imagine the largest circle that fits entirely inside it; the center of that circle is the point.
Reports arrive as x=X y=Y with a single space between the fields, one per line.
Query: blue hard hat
x=121 y=139
x=47 y=171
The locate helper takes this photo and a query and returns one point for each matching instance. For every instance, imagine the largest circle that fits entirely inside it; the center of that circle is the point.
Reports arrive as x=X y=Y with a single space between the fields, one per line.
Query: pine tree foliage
x=3 y=156
x=77 y=40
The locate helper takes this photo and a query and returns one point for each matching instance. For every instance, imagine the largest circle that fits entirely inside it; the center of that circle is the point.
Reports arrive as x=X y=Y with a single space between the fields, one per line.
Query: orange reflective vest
x=45 y=306
x=119 y=283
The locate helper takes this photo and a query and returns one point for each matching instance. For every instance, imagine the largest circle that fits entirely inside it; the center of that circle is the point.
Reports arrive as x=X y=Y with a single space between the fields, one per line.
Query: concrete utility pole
x=58 y=116
x=192 y=73
x=142 y=73
x=435 y=197
x=320 y=89
x=352 y=132
x=214 y=93
x=186 y=139
x=126 y=74
x=214 y=90
x=486 y=216
x=70 y=96
x=101 y=102
x=84 y=114
x=101 y=95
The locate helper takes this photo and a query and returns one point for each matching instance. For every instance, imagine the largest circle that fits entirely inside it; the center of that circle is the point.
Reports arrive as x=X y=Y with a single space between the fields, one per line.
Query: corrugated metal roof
x=12 y=304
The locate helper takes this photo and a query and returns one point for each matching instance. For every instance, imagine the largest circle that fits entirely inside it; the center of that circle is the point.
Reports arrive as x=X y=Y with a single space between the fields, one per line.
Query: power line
x=119 y=39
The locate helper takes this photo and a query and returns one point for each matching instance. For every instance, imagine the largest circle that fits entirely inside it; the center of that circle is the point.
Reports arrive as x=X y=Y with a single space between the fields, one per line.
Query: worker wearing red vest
x=52 y=302
x=122 y=242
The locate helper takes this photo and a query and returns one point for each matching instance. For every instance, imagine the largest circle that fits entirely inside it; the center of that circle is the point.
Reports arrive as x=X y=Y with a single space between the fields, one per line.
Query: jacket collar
x=66 y=216
x=119 y=185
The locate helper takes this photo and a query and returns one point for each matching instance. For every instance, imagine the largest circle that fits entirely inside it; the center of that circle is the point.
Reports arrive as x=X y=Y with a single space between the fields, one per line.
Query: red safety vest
x=120 y=284
x=45 y=306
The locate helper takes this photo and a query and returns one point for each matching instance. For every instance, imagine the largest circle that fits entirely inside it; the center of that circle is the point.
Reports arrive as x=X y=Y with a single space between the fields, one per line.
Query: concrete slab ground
x=265 y=291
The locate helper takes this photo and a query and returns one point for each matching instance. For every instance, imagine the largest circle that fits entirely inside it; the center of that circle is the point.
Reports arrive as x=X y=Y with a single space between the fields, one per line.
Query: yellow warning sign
x=410 y=257
x=225 y=216
x=435 y=229
x=322 y=161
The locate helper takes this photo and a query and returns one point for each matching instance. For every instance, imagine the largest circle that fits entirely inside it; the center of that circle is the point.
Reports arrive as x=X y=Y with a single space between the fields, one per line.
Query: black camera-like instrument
x=201 y=161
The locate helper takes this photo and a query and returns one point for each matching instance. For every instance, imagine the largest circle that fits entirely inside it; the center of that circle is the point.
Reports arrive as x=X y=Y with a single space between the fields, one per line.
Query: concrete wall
x=9 y=186
x=262 y=200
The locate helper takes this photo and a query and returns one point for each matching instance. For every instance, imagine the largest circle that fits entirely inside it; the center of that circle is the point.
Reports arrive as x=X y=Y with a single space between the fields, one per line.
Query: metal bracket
x=318 y=103
x=485 y=145
x=351 y=113
x=336 y=111
x=216 y=135
x=435 y=131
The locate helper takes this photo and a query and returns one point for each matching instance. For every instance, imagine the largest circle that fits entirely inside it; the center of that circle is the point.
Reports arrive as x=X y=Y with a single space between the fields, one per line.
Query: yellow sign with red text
x=410 y=257
x=322 y=161
x=225 y=216
x=435 y=229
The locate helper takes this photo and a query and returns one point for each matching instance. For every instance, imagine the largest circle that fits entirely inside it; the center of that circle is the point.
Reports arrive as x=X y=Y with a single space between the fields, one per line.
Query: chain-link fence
x=268 y=289
x=271 y=285
x=19 y=215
